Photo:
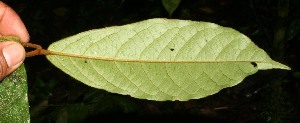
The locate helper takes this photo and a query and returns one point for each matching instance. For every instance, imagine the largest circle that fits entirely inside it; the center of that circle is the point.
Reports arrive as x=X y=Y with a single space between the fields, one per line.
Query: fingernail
x=14 y=54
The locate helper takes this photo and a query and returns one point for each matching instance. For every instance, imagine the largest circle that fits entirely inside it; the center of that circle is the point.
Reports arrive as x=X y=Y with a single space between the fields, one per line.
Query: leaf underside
x=161 y=59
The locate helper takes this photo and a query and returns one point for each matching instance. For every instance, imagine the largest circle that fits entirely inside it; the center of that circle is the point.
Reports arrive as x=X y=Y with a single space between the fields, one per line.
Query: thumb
x=12 y=55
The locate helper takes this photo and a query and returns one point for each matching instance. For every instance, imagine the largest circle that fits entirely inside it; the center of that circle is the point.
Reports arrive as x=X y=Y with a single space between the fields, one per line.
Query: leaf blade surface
x=14 y=105
x=161 y=59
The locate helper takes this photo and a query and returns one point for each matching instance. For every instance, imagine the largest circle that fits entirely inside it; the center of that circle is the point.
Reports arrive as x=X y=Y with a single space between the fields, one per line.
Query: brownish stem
x=38 y=50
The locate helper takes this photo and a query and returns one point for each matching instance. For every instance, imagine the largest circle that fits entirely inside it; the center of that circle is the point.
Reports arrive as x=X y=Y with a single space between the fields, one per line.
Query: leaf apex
x=273 y=65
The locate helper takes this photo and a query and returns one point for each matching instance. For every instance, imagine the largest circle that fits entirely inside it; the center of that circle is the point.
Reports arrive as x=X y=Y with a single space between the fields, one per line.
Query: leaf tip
x=273 y=65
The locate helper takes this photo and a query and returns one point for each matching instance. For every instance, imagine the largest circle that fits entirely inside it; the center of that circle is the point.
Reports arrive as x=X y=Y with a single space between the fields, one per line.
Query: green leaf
x=171 y=5
x=14 y=106
x=161 y=59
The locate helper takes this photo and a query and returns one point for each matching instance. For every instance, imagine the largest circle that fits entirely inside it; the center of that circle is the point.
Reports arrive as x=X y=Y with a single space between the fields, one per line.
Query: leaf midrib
x=147 y=61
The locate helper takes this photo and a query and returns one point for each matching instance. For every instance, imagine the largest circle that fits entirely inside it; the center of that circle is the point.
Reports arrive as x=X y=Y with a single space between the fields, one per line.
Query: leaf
x=14 y=106
x=161 y=59
x=171 y=5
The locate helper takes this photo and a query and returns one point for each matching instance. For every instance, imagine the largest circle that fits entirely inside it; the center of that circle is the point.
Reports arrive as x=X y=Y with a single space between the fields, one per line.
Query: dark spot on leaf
x=172 y=49
x=254 y=64
x=85 y=61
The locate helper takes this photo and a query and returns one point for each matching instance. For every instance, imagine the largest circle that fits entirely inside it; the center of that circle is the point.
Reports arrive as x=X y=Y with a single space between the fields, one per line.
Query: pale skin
x=12 y=54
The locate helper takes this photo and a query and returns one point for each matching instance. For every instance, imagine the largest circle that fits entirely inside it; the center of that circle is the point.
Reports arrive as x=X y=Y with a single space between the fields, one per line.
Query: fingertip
x=11 y=23
x=12 y=56
x=24 y=37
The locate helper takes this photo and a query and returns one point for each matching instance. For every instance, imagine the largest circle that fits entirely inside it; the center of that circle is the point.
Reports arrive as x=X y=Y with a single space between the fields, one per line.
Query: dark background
x=267 y=96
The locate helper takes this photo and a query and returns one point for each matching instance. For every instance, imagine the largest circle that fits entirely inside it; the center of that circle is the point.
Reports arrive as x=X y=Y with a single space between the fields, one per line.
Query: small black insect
x=254 y=64
x=172 y=49
x=85 y=61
